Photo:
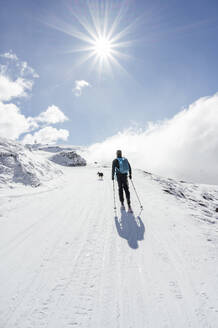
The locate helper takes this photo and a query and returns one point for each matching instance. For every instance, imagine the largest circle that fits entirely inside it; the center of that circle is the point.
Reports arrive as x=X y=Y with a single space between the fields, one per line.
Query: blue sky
x=171 y=62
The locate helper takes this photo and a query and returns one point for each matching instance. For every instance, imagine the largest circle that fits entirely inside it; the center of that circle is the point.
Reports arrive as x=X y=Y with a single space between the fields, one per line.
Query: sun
x=102 y=33
x=102 y=47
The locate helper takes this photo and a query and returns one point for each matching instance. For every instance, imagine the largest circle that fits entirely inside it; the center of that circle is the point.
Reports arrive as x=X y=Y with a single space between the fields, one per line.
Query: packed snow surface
x=68 y=259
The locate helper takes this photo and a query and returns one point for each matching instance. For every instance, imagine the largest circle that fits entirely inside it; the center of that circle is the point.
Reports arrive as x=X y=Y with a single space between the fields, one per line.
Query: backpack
x=123 y=165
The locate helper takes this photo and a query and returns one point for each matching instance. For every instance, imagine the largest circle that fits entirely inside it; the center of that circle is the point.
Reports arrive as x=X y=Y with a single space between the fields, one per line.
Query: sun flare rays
x=101 y=33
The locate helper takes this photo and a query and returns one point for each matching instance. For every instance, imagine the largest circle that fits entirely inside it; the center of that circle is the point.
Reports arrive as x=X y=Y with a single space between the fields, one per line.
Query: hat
x=119 y=153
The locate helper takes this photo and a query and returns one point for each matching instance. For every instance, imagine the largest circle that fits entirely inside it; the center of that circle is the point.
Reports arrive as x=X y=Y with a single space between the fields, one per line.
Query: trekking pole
x=115 y=208
x=137 y=194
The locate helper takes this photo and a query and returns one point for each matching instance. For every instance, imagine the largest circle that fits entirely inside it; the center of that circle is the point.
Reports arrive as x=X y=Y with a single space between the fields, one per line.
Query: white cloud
x=46 y=135
x=185 y=146
x=13 y=89
x=15 y=77
x=9 y=55
x=79 y=85
x=25 y=69
x=14 y=66
x=3 y=69
x=52 y=115
x=12 y=122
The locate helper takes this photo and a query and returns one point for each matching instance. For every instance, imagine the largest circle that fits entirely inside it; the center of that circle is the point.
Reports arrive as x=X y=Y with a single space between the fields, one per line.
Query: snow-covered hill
x=33 y=165
x=18 y=164
x=67 y=259
x=201 y=199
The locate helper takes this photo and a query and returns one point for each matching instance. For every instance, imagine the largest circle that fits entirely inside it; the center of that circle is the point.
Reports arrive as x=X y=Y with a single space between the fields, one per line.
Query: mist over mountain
x=183 y=147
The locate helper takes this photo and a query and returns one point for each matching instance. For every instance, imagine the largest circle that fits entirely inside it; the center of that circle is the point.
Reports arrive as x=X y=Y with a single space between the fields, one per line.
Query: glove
x=112 y=179
x=130 y=177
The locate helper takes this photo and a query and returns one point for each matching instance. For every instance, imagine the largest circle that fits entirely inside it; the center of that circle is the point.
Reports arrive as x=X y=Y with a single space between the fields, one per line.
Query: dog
x=100 y=175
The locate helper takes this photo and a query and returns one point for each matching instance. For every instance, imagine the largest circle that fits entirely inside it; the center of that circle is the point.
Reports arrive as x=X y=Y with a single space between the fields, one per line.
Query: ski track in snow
x=66 y=260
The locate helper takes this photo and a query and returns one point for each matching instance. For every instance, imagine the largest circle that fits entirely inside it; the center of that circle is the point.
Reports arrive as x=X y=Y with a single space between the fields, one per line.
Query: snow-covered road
x=66 y=260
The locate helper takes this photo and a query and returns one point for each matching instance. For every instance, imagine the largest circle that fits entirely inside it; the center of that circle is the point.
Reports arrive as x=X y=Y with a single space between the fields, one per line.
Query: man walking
x=121 y=167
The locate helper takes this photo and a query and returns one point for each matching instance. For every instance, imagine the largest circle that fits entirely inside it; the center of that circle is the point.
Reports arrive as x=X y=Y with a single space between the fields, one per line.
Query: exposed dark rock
x=68 y=158
x=202 y=204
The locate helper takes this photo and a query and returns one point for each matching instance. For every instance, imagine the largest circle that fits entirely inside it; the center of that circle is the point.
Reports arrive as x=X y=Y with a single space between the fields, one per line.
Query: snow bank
x=68 y=158
x=18 y=164
x=54 y=149
x=51 y=148
x=200 y=198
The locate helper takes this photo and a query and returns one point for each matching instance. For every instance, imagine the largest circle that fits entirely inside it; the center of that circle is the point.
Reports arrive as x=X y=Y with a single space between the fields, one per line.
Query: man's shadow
x=130 y=228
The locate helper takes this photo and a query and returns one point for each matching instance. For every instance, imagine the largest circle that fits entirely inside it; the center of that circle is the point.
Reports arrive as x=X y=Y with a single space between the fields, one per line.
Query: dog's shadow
x=130 y=228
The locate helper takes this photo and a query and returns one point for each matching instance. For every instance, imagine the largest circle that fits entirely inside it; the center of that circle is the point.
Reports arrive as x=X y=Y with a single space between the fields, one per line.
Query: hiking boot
x=130 y=208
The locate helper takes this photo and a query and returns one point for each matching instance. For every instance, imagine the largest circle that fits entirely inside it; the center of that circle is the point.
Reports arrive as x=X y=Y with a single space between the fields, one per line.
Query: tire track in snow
x=38 y=272
x=20 y=298
x=83 y=284
x=85 y=275
x=178 y=292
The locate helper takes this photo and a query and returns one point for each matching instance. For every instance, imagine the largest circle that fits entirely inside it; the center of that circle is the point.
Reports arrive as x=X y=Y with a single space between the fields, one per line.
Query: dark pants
x=122 y=181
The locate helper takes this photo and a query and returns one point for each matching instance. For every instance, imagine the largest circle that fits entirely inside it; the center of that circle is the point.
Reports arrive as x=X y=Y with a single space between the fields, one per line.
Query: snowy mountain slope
x=54 y=148
x=68 y=158
x=18 y=164
x=202 y=199
x=67 y=260
x=33 y=165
